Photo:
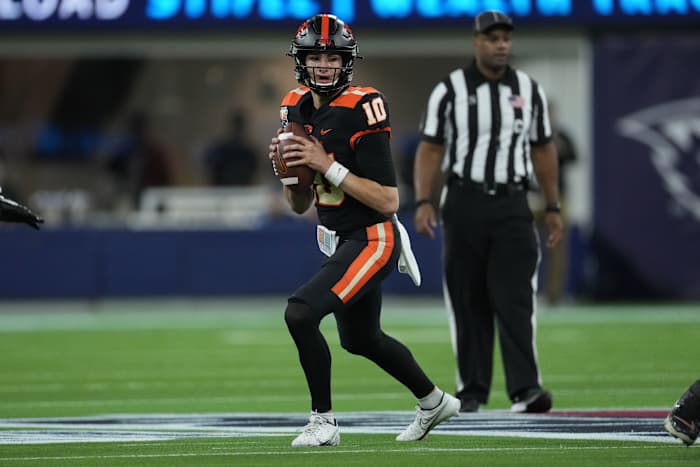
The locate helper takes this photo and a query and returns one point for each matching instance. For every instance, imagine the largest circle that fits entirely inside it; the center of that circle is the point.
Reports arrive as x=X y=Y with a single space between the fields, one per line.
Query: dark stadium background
x=69 y=85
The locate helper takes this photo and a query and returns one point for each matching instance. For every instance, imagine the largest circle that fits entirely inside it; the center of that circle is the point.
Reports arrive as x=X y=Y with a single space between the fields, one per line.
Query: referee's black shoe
x=533 y=400
x=468 y=405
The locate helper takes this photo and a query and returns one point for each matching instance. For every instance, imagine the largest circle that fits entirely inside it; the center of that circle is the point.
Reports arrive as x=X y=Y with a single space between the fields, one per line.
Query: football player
x=12 y=211
x=356 y=197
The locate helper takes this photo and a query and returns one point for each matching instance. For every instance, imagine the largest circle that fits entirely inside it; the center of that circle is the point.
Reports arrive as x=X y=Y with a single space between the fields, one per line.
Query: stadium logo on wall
x=672 y=131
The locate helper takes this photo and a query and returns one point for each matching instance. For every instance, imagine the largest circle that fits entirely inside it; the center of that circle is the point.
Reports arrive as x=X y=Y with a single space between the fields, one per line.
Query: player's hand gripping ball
x=298 y=178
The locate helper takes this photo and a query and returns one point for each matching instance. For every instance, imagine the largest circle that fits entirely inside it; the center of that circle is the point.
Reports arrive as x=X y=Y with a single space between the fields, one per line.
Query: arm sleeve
x=371 y=142
x=373 y=155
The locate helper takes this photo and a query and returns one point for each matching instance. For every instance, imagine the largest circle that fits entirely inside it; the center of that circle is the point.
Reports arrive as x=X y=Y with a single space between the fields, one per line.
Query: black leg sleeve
x=314 y=355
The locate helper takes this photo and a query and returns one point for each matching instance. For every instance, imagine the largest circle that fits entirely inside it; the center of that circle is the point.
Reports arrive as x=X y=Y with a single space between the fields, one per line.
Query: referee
x=487 y=127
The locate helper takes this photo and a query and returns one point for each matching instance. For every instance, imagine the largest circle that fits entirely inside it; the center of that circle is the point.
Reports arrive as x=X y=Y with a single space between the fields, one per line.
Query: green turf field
x=204 y=356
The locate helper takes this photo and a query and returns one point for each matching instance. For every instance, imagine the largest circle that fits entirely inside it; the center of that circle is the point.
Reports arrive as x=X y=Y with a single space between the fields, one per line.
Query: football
x=298 y=178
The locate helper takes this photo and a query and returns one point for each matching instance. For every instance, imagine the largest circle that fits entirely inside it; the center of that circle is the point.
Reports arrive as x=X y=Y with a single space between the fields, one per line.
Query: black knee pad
x=299 y=314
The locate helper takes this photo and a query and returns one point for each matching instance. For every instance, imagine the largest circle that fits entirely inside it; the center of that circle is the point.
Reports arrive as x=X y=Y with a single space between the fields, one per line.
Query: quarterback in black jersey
x=353 y=130
x=356 y=197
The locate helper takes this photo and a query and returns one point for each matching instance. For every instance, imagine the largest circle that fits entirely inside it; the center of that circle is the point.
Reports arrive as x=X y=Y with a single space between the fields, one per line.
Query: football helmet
x=324 y=33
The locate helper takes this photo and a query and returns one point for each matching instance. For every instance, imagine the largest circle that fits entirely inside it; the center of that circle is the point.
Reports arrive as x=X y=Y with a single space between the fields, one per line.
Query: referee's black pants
x=490 y=261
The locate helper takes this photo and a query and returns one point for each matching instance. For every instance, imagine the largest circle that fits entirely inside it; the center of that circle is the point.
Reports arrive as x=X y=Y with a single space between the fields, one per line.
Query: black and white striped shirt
x=487 y=127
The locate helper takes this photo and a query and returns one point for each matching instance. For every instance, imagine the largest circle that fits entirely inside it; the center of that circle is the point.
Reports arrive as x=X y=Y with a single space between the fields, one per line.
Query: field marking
x=639 y=426
x=326 y=451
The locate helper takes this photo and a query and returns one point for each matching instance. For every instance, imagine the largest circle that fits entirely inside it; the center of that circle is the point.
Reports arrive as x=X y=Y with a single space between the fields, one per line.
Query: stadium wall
x=101 y=263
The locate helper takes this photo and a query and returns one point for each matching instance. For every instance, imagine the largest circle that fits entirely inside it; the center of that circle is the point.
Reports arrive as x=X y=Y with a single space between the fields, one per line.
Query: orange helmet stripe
x=325 y=27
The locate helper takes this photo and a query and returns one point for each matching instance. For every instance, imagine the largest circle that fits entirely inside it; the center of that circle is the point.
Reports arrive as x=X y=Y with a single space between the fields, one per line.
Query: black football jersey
x=347 y=127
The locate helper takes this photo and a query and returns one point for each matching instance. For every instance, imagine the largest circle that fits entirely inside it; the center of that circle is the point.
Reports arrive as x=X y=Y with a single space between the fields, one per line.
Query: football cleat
x=318 y=432
x=686 y=431
x=682 y=420
x=535 y=400
x=426 y=420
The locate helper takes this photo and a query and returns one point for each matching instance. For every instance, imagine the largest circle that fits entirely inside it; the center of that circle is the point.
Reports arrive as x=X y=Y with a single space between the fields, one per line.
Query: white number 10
x=374 y=111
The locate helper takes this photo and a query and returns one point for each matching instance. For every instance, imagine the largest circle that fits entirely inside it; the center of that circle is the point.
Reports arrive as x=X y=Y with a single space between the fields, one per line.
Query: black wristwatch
x=553 y=207
x=422 y=201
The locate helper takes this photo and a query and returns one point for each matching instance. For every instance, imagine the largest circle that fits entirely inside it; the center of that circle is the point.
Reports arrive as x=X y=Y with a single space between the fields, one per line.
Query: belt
x=499 y=189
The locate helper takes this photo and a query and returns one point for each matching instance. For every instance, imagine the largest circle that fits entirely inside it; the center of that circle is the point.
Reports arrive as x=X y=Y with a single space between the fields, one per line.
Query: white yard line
x=325 y=452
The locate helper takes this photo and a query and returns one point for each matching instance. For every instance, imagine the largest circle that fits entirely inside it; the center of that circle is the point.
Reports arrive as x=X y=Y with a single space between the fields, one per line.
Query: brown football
x=297 y=178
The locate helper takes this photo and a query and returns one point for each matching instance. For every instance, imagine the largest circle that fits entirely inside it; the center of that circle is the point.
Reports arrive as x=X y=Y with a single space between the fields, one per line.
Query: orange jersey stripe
x=293 y=96
x=362 y=133
x=380 y=245
x=351 y=96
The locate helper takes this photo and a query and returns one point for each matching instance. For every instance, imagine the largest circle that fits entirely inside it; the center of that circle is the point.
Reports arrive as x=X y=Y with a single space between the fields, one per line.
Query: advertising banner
x=647 y=165
x=241 y=14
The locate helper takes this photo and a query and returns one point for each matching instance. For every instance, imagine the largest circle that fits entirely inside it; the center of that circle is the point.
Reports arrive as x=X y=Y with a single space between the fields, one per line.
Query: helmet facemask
x=324 y=34
x=340 y=78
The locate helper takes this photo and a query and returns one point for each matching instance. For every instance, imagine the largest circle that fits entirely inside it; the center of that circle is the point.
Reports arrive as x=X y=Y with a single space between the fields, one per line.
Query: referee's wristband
x=336 y=173
x=422 y=201
x=552 y=207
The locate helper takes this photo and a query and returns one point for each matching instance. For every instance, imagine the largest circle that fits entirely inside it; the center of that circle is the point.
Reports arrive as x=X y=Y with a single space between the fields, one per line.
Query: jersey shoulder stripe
x=352 y=95
x=294 y=96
